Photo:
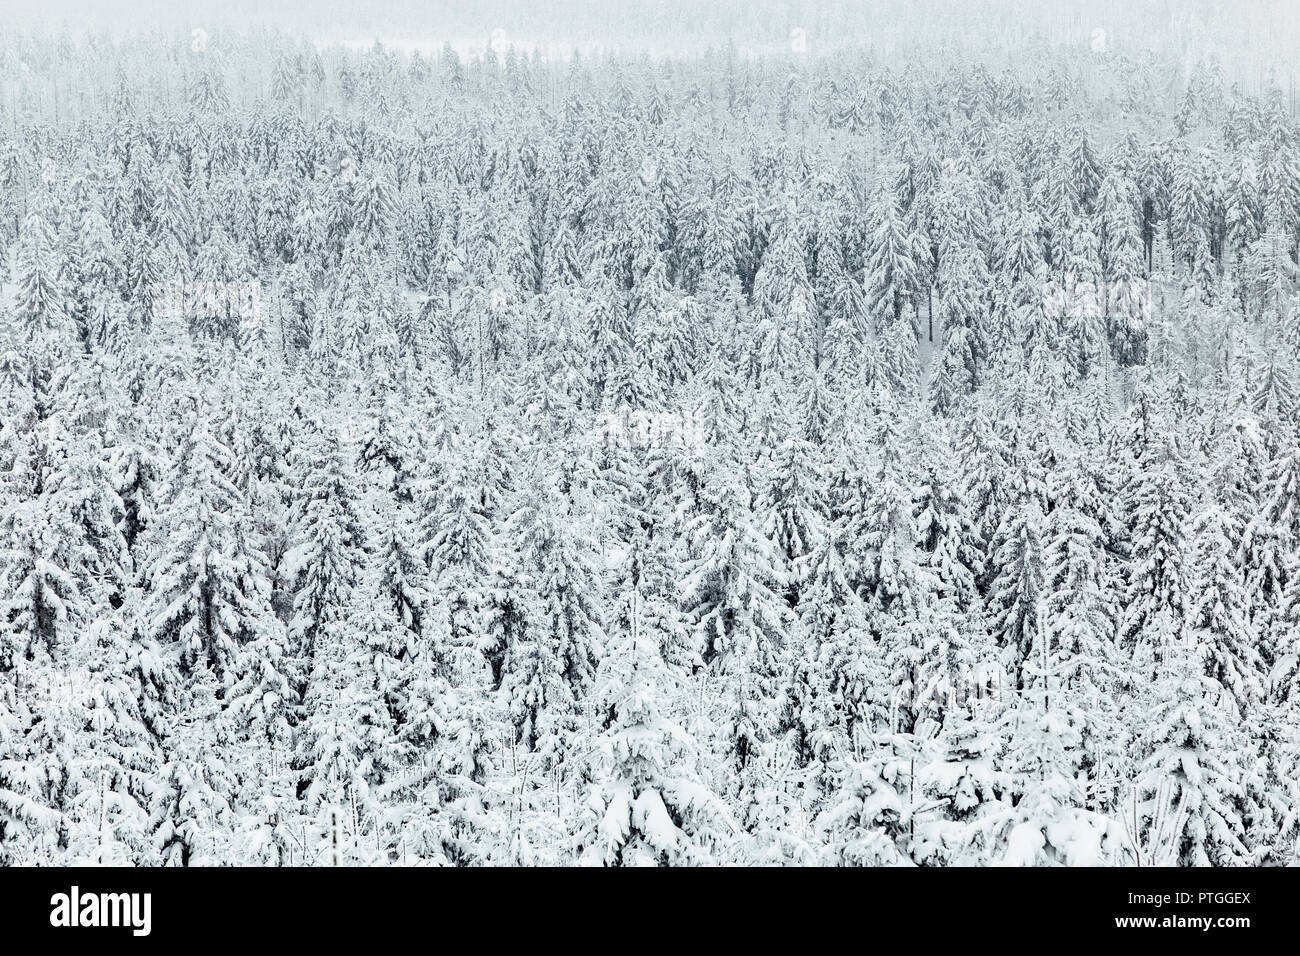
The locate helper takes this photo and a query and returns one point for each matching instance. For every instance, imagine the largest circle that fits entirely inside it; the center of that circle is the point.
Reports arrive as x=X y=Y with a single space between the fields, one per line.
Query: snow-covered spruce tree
x=108 y=815
x=730 y=590
x=963 y=778
x=896 y=259
x=947 y=535
x=865 y=822
x=549 y=667
x=1015 y=593
x=831 y=696
x=794 y=506
x=458 y=548
x=783 y=315
x=1154 y=575
x=648 y=804
x=1080 y=620
x=43 y=604
x=209 y=585
x=1125 y=299
x=190 y=814
x=342 y=748
x=961 y=330
x=1190 y=740
x=41 y=303
x=1218 y=611
x=321 y=566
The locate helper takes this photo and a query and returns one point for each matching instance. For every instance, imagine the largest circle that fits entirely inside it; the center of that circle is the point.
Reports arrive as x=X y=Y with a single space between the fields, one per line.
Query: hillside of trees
x=448 y=460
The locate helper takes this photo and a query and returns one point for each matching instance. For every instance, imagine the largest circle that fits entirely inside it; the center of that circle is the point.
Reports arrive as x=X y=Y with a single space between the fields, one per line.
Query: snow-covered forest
x=807 y=456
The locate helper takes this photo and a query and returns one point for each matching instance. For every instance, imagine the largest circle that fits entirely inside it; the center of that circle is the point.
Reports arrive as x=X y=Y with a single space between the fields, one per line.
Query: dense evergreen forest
x=411 y=457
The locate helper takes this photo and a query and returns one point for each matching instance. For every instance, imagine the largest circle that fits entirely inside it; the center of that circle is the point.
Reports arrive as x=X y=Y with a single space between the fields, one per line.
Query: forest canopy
x=761 y=453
